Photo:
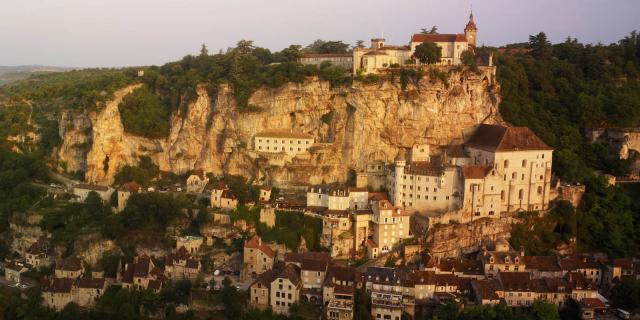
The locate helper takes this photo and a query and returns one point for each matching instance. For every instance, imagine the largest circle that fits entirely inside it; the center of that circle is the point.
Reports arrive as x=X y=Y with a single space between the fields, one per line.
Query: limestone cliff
x=366 y=123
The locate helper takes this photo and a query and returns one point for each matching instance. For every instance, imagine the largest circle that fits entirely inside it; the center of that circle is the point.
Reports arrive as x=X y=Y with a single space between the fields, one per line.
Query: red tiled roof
x=70 y=264
x=593 y=303
x=256 y=243
x=130 y=187
x=500 y=138
x=541 y=263
x=423 y=37
x=57 y=285
x=423 y=168
x=476 y=171
x=86 y=283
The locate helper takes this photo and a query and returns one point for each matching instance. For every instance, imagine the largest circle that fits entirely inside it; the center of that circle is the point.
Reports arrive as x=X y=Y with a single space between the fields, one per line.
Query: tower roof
x=471 y=25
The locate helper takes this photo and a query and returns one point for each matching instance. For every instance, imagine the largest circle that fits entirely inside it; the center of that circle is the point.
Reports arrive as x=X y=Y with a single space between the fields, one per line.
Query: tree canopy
x=428 y=53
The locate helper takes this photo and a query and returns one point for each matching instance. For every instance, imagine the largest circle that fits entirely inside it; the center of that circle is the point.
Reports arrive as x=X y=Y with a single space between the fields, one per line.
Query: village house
x=70 y=267
x=282 y=140
x=285 y=289
x=584 y=264
x=14 y=270
x=142 y=274
x=337 y=198
x=89 y=290
x=502 y=259
x=57 y=292
x=223 y=198
x=257 y=258
x=124 y=193
x=619 y=269
x=182 y=265
x=460 y=267
x=389 y=226
x=339 y=292
x=259 y=290
x=451 y=45
x=313 y=270
x=81 y=192
x=386 y=287
x=38 y=254
x=344 y=60
x=197 y=181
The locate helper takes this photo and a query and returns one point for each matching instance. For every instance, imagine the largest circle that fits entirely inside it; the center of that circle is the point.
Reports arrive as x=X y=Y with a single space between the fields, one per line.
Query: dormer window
x=491 y=260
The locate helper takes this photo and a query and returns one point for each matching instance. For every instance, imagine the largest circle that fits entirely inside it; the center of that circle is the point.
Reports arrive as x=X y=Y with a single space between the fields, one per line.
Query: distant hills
x=10 y=74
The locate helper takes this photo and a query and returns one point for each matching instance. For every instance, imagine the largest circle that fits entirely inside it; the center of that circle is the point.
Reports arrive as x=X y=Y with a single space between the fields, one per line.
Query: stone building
x=223 y=198
x=265 y=194
x=389 y=225
x=197 y=181
x=285 y=141
x=337 y=198
x=502 y=259
x=268 y=216
x=379 y=56
x=259 y=290
x=285 y=289
x=142 y=274
x=191 y=243
x=13 y=271
x=38 y=254
x=70 y=267
x=257 y=258
x=339 y=292
x=344 y=60
x=82 y=190
x=182 y=265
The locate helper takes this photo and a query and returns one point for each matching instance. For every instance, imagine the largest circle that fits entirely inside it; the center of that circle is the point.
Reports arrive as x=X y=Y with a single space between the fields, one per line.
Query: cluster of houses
x=501 y=274
x=380 y=55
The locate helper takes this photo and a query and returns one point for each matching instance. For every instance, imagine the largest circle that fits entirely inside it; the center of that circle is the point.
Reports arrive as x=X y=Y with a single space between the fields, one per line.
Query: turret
x=471 y=32
x=400 y=163
x=377 y=43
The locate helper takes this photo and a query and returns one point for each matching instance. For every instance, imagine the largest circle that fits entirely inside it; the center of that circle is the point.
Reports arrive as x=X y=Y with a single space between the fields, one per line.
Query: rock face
x=363 y=124
x=452 y=240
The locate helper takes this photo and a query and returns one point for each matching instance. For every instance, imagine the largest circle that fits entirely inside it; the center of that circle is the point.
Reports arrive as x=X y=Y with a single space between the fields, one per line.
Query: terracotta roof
x=392 y=47
x=471 y=25
x=354 y=189
x=283 y=133
x=624 y=263
x=466 y=266
x=487 y=289
x=141 y=267
x=297 y=257
x=517 y=281
x=593 y=303
x=340 y=289
x=542 y=263
x=342 y=274
x=15 y=266
x=476 y=171
x=256 y=243
x=378 y=196
x=556 y=285
x=423 y=37
x=91 y=187
x=372 y=243
x=130 y=187
x=499 y=138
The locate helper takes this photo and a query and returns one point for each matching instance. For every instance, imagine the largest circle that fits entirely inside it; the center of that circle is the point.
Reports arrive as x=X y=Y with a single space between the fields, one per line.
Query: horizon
x=71 y=34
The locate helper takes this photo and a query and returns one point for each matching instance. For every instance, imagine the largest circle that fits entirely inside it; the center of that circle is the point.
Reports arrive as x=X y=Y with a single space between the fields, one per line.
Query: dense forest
x=559 y=91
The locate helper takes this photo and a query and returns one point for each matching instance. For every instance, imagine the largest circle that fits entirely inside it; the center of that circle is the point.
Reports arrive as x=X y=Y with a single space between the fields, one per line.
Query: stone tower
x=400 y=163
x=471 y=32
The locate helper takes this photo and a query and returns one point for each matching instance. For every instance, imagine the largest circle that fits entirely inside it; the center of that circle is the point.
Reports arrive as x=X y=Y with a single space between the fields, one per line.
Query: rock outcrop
x=453 y=240
x=364 y=123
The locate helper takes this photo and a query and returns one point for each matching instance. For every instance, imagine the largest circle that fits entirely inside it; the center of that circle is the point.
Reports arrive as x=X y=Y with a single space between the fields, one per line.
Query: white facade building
x=283 y=141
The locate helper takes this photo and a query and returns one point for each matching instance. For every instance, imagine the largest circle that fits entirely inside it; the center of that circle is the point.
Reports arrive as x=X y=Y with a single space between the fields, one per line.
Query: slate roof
x=487 y=289
x=499 y=138
x=86 y=283
x=57 y=285
x=542 y=263
x=423 y=168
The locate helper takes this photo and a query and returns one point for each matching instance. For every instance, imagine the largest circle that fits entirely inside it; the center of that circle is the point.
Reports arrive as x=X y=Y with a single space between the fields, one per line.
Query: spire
x=471 y=25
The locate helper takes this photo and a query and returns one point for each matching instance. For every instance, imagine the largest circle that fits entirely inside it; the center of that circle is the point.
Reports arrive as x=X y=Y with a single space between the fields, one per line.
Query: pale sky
x=94 y=33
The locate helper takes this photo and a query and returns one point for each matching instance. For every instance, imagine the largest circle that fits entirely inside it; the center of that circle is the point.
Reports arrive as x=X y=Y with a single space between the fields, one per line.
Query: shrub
x=144 y=114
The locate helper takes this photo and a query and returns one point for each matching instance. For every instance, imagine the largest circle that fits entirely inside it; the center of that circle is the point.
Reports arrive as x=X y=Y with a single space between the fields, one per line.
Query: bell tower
x=471 y=31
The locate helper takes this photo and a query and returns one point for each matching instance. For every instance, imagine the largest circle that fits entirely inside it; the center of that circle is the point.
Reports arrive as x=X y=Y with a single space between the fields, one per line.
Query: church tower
x=471 y=31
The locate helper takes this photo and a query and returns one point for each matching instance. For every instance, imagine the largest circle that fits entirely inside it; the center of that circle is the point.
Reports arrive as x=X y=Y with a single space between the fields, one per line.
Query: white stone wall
x=291 y=146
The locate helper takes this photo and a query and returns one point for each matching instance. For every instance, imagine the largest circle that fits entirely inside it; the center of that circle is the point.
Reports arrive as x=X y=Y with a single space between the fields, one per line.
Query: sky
x=111 y=33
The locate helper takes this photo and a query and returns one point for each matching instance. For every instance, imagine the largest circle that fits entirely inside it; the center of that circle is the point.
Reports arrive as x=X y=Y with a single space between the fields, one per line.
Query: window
x=539 y=189
x=523 y=176
x=524 y=163
x=520 y=194
x=513 y=175
x=502 y=195
x=506 y=164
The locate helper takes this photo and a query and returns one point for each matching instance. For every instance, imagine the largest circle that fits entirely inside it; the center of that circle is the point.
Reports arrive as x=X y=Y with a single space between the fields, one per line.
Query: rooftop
x=499 y=138
x=425 y=37
x=283 y=133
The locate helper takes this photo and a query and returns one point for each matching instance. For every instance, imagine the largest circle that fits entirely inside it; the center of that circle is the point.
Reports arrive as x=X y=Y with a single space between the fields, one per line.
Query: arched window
x=524 y=163
x=502 y=195
x=506 y=164
x=539 y=189
x=520 y=194
x=513 y=175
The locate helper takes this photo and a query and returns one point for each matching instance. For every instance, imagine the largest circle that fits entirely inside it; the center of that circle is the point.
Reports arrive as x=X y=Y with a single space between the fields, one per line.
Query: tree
x=428 y=53
x=232 y=300
x=321 y=46
x=544 y=310
x=626 y=294
x=204 y=52
x=540 y=47
x=469 y=60
x=359 y=44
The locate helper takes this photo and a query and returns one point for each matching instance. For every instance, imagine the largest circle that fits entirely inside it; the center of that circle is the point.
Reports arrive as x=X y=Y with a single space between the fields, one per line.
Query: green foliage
x=544 y=310
x=428 y=53
x=436 y=74
x=14 y=120
x=290 y=227
x=243 y=190
x=152 y=210
x=327 y=117
x=144 y=114
x=626 y=294
x=16 y=192
x=408 y=75
x=322 y=46
x=362 y=305
x=142 y=174
x=469 y=60
x=541 y=236
x=559 y=90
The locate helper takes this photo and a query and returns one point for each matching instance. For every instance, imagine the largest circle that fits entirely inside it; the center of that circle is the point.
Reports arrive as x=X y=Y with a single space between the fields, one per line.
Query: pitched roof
x=256 y=243
x=457 y=151
x=476 y=171
x=424 y=37
x=542 y=263
x=517 y=281
x=86 y=283
x=314 y=264
x=487 y=289
x=575 y=263
x=70 y=264
x=15 y=266
x=423 y=168
x=290 y=272
x=130 y=187
x=499 y=138
x=467 y=266
x=57 y=285
x=266 y=277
